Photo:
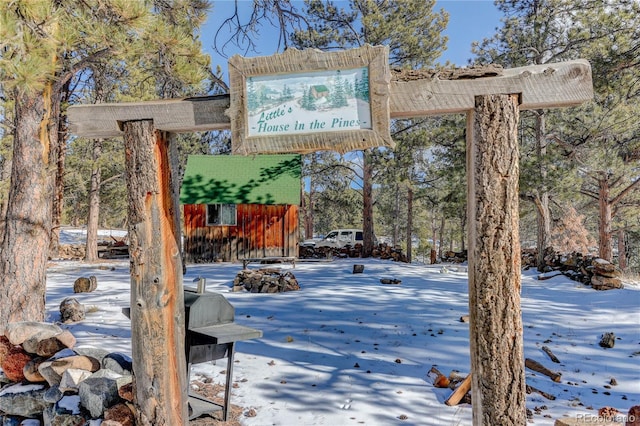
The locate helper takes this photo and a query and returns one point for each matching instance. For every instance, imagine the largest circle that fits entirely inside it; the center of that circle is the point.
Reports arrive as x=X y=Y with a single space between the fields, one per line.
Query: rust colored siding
x=261 y=230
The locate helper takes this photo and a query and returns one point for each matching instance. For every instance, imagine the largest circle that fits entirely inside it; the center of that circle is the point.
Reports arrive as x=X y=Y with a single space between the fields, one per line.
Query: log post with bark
x=497 y=360
x=157 y=299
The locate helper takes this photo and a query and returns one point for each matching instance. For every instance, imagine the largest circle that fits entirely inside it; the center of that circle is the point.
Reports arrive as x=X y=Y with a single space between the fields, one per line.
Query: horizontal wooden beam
x=540 y=86
x=197 y=114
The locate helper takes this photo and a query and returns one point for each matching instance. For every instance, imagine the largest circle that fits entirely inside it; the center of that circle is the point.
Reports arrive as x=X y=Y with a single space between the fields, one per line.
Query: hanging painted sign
x=303 y=101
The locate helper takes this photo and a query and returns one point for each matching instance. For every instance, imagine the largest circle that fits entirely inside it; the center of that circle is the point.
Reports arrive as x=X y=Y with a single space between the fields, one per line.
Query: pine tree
x=36 y=38
x=596 y=137
x=411 y=30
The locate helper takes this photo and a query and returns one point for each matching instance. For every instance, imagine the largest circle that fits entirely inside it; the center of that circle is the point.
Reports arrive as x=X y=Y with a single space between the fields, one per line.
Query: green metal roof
x=237 y=179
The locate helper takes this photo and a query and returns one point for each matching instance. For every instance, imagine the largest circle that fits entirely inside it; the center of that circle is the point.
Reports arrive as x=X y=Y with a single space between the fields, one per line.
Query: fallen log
x=536 y=366
x=460 y=392
x=531 y=389
x=551 y=355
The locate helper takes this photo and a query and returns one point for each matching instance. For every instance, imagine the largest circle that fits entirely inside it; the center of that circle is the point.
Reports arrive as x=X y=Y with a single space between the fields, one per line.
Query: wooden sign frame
x=307 y=133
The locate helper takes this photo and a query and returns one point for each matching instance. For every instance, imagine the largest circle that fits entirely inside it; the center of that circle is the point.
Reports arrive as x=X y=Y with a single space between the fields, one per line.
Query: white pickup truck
x=337 y=238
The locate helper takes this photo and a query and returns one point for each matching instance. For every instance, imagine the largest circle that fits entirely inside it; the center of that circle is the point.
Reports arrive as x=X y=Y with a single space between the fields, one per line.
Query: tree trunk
x=463 y=229
x=58 y=141
x=396 y=214
x=496 y=336
x=409 y=222
x=605 y=242
x=543 y=221
x=541 y=198
x=91 y=249
x=434 y=234
x=441 y=232
x=622 y=249
x=308 y=211
x=367 y=201
x=157 y=299
x=25 y=246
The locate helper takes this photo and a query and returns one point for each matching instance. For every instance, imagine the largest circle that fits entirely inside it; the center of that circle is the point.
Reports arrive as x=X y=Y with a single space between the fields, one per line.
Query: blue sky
x=469 y=20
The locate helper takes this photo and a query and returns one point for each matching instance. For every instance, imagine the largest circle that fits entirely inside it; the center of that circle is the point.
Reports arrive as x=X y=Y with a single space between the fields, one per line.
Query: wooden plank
x=540 y=86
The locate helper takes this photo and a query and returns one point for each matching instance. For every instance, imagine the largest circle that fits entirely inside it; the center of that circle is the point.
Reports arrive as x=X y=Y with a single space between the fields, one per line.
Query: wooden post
x=157 y=299
x=497 y=360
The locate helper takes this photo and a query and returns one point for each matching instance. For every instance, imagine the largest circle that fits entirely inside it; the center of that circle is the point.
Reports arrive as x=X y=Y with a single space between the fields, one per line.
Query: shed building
x=238 y=207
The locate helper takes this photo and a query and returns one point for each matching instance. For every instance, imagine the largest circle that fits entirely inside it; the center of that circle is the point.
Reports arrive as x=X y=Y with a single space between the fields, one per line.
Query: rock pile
x=381 y=251
x=47 y=379
x=587 y=269
x=265 y=280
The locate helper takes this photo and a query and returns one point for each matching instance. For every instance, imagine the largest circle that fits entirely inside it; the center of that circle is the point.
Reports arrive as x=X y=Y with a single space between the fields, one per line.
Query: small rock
x=99 y=392
x=120 y=413
x=71 y=379
x=71 y=310
x=53 y=395
x=85 y=285
x=125 y=391
x=5 y=346
x=608 y=340
x=31 y=372
x=119 y=363
x=77 y=361
x=14 y=363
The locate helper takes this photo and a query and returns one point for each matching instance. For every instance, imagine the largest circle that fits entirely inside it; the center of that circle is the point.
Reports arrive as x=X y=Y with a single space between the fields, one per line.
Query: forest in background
x=579 y=166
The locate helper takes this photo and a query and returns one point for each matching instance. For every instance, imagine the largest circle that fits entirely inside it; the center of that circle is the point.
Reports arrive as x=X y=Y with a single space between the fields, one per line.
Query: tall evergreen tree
x=36 y=41
x=411 y=30
x=606 y=33
x=43 y=45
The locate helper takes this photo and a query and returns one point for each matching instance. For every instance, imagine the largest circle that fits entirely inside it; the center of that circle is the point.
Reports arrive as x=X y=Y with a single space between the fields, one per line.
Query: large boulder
x=599 y=282
x=18 y=332
x=46 y=344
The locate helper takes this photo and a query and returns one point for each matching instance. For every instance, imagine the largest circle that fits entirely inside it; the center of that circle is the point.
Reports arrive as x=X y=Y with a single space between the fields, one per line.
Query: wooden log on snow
x=531 y=389
x=551 y=355
x=460 y=392
x=536 y=366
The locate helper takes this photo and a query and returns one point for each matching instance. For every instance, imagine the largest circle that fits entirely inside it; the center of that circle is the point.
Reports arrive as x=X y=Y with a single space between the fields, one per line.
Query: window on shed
x=221 y=214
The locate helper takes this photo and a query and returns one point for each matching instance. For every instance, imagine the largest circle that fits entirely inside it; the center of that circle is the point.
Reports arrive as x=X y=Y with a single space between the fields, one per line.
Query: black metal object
x=211 y=334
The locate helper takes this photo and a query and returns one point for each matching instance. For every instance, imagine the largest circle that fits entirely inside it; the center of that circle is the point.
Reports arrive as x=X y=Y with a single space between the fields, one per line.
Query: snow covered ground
x=346 y=349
